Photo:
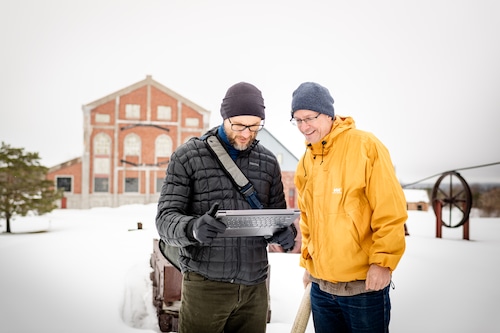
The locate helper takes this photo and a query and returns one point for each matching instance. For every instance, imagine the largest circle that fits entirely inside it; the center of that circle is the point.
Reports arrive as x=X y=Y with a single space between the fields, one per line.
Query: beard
x=237 y=145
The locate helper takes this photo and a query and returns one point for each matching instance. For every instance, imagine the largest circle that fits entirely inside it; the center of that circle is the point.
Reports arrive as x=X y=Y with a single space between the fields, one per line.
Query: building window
x=101 y=165
x=102 y=144
x=64 y=183
x=101 y=162
x=102 y=118
x=132 y=145
x=159 y=184
x=132 y=185
x=101 y=184
x=192 y=122
x=164 y=112
x=132 y=111
x=163 y=146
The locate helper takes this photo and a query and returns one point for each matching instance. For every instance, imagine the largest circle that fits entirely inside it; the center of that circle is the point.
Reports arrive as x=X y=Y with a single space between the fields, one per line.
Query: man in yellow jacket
x=353 y=212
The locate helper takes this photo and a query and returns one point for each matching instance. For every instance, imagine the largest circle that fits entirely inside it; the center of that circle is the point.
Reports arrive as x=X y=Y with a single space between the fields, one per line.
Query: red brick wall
x=69 y=170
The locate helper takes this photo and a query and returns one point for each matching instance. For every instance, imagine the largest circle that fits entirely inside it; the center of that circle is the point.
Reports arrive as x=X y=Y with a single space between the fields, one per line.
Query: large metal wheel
x=455 y=196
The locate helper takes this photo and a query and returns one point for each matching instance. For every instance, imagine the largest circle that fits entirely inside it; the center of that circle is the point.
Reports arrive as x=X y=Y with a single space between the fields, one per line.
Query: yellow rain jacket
x=353 y=208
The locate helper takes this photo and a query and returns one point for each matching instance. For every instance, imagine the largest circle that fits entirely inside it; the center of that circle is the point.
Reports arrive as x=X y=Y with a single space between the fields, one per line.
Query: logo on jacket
x=337 y=190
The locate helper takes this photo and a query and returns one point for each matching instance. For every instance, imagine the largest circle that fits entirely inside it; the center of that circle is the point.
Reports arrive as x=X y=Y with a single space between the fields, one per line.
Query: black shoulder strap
x=242 y=183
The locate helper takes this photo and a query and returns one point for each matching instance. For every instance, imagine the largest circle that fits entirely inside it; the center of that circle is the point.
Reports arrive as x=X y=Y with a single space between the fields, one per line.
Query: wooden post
x=466 y=227
x=439 y=221
x=466 y=230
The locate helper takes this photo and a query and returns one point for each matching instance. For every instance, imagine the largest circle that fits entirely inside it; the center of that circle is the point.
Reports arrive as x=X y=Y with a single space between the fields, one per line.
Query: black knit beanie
x=243 y=99
x=313 y=96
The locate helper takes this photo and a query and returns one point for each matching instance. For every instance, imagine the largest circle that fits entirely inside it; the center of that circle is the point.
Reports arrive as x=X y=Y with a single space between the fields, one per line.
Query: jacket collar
x=221 y=134
x=340 y=125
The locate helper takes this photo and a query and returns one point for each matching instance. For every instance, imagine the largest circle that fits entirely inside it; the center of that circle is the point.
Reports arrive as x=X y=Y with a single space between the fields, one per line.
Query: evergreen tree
x=23 y=185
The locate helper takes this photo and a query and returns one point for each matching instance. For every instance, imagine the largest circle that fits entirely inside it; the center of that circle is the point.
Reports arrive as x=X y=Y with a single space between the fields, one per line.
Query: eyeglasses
x=241 y=127
x=298 y=122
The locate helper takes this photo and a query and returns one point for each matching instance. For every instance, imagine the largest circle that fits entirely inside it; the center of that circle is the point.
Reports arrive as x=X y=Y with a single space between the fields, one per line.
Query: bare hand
x=377 y=277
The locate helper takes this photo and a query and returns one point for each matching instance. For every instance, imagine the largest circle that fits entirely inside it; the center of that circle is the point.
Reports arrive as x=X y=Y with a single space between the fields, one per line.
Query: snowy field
x=84 y=271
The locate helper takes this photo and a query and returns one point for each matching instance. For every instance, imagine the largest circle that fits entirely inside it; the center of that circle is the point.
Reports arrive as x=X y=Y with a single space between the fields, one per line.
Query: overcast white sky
x=423 y=76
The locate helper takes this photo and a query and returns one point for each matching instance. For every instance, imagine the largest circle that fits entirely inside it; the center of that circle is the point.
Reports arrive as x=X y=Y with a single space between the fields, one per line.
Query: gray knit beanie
x=243 y=99
x=314 y=97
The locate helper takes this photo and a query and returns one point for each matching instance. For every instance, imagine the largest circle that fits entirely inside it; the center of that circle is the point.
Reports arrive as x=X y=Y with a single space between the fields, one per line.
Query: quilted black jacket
x=194 y=181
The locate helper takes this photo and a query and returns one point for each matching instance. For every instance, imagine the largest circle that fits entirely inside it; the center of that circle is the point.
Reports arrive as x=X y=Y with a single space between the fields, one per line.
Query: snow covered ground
x=88 y=271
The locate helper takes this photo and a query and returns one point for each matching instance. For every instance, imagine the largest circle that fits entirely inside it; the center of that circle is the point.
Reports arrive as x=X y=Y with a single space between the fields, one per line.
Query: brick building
x=129 y=136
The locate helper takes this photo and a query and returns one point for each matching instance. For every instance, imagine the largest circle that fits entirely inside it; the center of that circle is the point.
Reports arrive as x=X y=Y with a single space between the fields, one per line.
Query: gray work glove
x=285 y=238
x=205 y=228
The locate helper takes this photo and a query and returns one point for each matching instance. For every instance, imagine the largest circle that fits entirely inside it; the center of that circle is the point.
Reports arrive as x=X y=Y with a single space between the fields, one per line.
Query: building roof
x=147 y=81
x=65 y=164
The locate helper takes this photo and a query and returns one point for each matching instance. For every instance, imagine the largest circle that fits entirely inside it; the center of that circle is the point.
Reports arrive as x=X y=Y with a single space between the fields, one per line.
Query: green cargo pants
x=216 y=307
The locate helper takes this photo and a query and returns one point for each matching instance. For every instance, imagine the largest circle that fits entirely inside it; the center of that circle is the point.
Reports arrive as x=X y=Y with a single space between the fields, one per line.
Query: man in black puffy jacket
x=223 y=288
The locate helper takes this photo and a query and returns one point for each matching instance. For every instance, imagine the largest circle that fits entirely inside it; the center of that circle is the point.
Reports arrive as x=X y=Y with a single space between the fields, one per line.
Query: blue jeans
x=363 y=313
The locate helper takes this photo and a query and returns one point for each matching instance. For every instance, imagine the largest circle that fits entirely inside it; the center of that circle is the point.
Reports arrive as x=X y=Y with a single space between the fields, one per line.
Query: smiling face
x=312 y=125
x=241 y=140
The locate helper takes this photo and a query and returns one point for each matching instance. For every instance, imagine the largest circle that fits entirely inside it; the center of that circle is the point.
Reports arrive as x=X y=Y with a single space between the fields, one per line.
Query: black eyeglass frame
x=297 y=122
x=242 y=127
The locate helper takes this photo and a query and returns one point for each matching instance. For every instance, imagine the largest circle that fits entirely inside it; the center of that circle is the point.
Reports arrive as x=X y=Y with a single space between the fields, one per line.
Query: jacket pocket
x=361 y=221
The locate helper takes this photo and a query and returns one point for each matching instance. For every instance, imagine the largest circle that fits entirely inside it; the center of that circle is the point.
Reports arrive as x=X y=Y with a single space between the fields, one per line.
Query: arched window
x=163 y=146
x=102 y=162
x=102 y=144
x=132 y=145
